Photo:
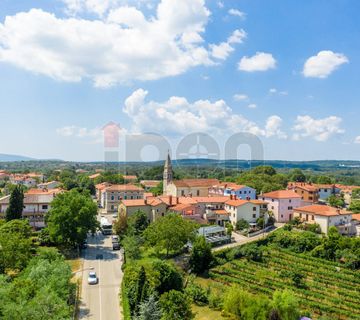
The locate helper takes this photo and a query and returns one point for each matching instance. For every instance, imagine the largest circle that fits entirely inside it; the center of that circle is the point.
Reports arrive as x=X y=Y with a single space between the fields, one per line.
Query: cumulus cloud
x=237 y=13
x=121 y=46
x=222 y=50
x=261 y=61
x=318 y=129
x=273 y=127
x=323 y=64
x=252 y=106
x=178 y=116
x=357 y=140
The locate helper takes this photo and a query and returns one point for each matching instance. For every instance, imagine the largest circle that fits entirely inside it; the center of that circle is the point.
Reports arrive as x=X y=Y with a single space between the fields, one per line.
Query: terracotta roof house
x=231 y=188
x=326 y=217
x=281 y=203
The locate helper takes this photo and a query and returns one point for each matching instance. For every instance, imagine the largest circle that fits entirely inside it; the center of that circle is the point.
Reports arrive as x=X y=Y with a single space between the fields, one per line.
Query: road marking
x=100 y=289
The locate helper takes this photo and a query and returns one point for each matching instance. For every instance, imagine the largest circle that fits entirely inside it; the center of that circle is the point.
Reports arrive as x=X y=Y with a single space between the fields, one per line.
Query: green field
x=326 y=291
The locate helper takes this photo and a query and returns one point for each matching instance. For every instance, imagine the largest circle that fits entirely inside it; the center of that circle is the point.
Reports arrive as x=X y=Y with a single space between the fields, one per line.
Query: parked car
x=115 y=215
x=116 y=246
x=114 y=239
x=92 y=278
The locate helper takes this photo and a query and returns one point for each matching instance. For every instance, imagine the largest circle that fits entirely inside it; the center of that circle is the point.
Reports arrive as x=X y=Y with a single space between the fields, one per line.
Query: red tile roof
x=356 y=216
x=123 y=187
x=281 y=194
x=322 y=210
x=238 y=202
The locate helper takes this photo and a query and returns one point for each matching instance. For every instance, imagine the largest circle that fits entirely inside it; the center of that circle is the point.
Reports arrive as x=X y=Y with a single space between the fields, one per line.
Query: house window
x=197 y=192
x=290 y=208
x=254 y=215
x=254 y=208
x=310 y=198
x=112 y=197
x=282 y=216
x=312 y=217
x=240 y=192
x=272 y=208
x=112 y=207
x=272 y=200
x=118 y=197
x=289 y=200
x=44 y=206
x=182 y=193
x=325 y=190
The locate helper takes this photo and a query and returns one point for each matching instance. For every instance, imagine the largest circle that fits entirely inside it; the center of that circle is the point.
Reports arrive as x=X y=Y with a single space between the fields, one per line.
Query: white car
x=115 y=215
x=92 y=278
x=114 y=239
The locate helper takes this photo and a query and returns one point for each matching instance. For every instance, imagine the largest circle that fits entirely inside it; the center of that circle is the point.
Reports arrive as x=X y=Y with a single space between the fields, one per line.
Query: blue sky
x=286 y=71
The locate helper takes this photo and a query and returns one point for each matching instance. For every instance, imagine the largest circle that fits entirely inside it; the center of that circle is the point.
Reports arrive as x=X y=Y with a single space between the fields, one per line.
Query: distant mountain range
x=11 y=157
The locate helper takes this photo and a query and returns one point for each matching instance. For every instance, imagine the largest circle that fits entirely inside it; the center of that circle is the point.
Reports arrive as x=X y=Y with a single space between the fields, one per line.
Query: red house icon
x=111 y=135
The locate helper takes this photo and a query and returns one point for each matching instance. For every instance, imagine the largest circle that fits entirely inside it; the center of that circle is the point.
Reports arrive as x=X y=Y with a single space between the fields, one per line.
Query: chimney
x=177 y=200
x=338 y=211
x=170 y=200
x=235 y=197
x=231 y=196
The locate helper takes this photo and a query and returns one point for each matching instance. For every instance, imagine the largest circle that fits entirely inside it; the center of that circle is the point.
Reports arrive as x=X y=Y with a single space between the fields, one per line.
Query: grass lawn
x=205 y=313
x=75 y=264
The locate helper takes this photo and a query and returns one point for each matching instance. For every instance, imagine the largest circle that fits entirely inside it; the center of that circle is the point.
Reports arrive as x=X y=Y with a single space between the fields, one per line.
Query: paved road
x=101 y=301
x=240 y=239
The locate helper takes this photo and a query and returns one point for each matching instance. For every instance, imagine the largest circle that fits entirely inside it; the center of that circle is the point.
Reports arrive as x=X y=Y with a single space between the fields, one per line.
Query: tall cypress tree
x=16 y=204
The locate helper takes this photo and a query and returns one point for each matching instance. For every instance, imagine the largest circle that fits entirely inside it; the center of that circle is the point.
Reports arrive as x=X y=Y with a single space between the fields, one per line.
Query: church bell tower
x=168 y=174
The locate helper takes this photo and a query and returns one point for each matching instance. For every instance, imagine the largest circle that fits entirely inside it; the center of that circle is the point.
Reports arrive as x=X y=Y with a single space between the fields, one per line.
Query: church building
x=185 y=187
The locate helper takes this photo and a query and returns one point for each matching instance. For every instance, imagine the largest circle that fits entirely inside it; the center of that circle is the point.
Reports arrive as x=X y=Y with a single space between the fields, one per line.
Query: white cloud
x=94 y=135
x=120 y=47
x=80 y=132
x=220 y=4
x=261 y=61
x=275 y=91
x=238 y=13
x=273 y=127
x=323 y=64
x=357 y=140
x=272 y=90
x=318 y=129
x=178 y=116
x=252 y=106
x=222 y=50
x=240 y=97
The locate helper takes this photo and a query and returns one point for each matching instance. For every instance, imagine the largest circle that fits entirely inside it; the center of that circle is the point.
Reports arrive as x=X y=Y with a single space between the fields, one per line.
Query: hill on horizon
x=12 y=157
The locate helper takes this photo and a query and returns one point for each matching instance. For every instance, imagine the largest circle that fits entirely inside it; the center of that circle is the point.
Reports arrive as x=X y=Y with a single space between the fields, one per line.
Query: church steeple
x=168 y=173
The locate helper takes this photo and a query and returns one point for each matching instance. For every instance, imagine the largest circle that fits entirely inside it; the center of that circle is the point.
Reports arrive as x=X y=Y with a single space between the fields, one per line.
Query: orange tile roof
x=229 y=185
x=134 y=203
x=239 y=202
x=188 y=183
x=123 y=187
x=219 y=199
x=44 y=191
x=222 y=212
x=281 y=194
x=181 y=207
x=356 y=216
x=102 y=186
x=142 y=202
x=322 y=210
